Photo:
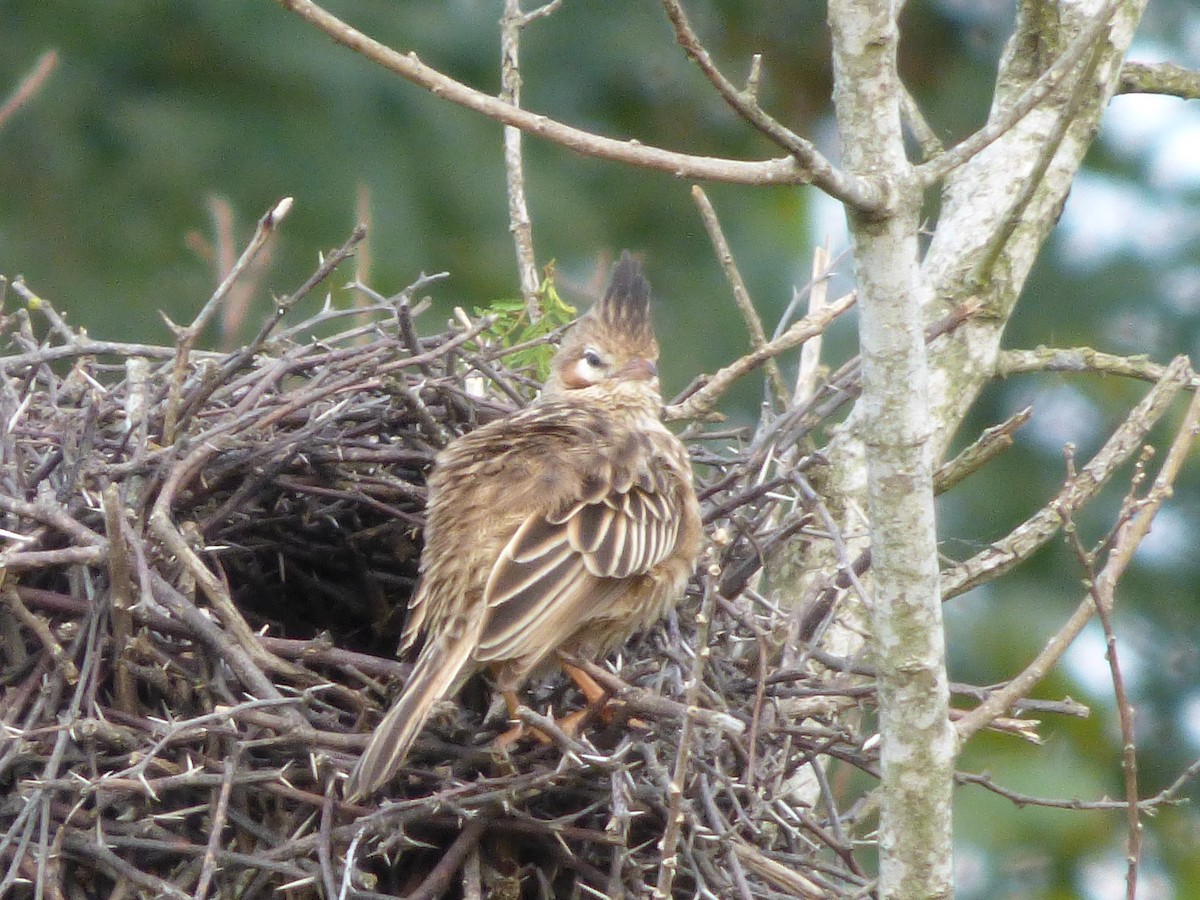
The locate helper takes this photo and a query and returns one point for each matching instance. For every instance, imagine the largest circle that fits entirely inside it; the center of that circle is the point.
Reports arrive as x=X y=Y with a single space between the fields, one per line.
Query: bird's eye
x=592 y=358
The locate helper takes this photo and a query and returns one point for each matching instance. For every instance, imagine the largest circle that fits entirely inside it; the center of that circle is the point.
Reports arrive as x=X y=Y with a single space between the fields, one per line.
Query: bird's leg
x=596 y=696
x=598 y=701
x=518 y=731
x=591 y=689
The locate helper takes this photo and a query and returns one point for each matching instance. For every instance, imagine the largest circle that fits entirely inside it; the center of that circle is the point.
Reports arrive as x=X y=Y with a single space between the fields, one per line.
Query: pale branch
x=1081 y=359
x=857 y=666
x=1159 y=78
x=810 y=354
x=859 y=193
x=22 y=560
x=741 y=297
x=785 y=170
x=702 y=401
x=1129 y=536
x=998 y=208
x=781 y=876
x=987 y=446
x=931 y=145
x=1043 y=525
x=1025 y=729
x=520 y=225
x=933 y=171
x=28 y=87
x=46 y=511
x=1047 y=150
x=799 y=294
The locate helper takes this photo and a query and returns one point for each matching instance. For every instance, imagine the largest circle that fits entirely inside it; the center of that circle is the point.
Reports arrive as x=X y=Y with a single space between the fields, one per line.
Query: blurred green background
x=105 y=180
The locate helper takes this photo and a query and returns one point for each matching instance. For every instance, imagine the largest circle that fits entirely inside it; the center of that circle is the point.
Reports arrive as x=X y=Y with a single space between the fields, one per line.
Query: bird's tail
x=434 y=675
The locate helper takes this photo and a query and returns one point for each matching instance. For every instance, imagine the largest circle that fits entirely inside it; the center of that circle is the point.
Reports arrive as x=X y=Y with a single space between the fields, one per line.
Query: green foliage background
x=156 y=106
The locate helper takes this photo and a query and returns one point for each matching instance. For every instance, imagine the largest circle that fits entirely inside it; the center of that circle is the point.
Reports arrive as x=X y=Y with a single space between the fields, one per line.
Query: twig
x=668 y=845
x=1129 y=536
x=85 y=346
x=1148 y=806
x=1081 y=359
x=217 y=825
x=438 y=880
x=41 y=629
x=27 y=89
x=162 y=527
x=325 y=839
x=741 y=297
x=933 y=171
x=776 y=873
x=1125 y=712
x=721 y=827
x=702 y=401
x=1039 y=528
x=810 y=354
x=185 y=338
x=519 y=223
x=861 y=194
x=1172 y=790
x=1159 y=78
x=990 y=444
x=241 y=658
x=786 y=170
x=641 y=701
x=120 y=597
x=46 y=510
x=118 y=869
x=362 y=257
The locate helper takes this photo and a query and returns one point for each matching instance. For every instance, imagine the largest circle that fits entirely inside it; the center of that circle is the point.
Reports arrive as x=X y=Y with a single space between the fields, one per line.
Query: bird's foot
x=599 y=701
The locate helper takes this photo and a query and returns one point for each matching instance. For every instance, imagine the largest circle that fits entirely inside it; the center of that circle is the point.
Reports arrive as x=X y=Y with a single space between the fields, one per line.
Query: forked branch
x=785 y=170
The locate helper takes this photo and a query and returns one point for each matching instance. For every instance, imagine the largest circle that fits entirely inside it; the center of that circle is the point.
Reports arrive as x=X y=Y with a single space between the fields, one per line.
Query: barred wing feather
x=559 y=570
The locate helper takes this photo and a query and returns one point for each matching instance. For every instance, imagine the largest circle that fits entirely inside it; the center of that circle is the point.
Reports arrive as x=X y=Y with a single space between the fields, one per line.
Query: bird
x=562 y=528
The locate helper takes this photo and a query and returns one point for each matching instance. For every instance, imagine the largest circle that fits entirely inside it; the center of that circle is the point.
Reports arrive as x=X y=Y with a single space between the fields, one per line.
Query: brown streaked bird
x=566 y=526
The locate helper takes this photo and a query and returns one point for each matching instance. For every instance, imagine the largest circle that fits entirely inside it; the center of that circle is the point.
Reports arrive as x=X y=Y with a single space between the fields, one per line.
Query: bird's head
x=614 y=342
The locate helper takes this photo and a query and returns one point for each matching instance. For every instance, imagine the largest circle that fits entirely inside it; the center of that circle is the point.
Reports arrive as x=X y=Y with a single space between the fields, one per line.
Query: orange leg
x=598 y=703
x=518 y=731
x=586 y=683
x=597 y=700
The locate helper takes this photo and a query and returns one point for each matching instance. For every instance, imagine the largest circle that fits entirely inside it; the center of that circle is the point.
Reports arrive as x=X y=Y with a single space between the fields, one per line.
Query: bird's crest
x=625 y=307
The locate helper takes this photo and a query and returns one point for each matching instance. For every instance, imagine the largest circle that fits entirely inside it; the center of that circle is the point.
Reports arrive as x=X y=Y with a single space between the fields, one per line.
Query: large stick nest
x=206 y=562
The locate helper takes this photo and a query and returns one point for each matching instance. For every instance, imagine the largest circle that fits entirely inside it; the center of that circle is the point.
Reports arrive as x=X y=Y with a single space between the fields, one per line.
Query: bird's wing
x=562 y=568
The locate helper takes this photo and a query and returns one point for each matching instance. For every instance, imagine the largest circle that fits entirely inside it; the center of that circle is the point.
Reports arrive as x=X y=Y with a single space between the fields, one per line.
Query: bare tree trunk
x=895 y=421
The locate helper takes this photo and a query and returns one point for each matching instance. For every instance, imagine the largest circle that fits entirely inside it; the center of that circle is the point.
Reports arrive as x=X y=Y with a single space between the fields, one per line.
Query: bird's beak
x=638 y=369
